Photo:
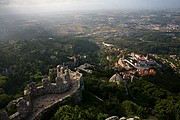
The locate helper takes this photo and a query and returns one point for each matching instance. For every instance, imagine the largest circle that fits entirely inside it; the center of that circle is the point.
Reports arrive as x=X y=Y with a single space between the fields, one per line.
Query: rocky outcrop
x=112 y=118
x=116 y=78
x=122 y=118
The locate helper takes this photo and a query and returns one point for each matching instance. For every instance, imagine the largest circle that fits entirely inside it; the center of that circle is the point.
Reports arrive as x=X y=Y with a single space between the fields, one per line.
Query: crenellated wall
x=77 y=94
x=63 y=84
x=66 y=81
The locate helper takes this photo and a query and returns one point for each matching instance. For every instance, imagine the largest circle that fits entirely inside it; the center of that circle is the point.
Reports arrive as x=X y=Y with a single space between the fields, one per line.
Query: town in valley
x=87 y=65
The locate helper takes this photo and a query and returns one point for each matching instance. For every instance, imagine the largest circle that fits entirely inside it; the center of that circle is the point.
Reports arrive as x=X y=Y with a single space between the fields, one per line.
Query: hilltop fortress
x=38 y=100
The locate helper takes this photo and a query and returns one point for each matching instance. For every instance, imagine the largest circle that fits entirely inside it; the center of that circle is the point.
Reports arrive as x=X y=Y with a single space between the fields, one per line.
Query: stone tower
x=23 y=107
x=67 y=77
x=59 y=71
x=63 y=79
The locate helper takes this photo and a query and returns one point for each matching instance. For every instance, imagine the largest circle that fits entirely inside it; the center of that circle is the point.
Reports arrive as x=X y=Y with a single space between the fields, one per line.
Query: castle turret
x=59 y=71
x=31 y=91
x=63 y=79
x=59 y=81
x=67 y=77
x=46 y=84
x=23 y=107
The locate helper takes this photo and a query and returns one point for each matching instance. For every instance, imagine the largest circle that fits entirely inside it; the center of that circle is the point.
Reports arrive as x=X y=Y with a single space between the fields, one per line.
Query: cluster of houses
x=136 y=64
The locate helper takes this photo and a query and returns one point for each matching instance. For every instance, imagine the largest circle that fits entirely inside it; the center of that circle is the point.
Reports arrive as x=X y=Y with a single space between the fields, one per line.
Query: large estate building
x=135 y=63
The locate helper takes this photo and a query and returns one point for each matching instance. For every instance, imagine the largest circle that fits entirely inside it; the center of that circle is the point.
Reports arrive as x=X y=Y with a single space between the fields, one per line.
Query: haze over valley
x=89 y=59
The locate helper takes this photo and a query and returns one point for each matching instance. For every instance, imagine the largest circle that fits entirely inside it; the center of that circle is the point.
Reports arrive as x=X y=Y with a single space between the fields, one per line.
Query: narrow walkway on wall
x=46 y=101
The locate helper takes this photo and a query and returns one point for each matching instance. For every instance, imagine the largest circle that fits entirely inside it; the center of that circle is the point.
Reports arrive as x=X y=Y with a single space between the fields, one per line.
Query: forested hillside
x=102 y=99
x=23 y=62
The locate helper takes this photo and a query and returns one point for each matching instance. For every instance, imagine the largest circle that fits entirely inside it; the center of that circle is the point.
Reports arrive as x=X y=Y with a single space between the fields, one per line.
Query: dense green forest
x=102 y=99
x=148 y=96
x=23 y=62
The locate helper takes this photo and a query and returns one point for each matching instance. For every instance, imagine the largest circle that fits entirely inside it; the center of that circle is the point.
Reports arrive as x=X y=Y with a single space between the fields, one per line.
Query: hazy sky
x=65 y=5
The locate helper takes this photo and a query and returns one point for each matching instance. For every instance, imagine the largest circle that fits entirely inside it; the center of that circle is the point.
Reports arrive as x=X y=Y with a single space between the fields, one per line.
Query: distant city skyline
x=33 y=6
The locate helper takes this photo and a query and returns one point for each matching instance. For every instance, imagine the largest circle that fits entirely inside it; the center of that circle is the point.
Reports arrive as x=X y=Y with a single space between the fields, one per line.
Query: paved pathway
x=47 y=100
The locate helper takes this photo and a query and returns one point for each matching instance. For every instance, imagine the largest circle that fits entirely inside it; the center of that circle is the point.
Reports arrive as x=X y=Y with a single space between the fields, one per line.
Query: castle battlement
x=66 y=83
x=62 y=84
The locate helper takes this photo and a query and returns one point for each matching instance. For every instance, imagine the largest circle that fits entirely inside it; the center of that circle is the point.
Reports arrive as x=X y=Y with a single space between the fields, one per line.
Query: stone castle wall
x=63 y=83
x=77 y=94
